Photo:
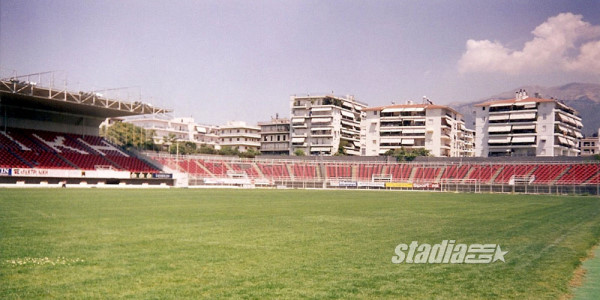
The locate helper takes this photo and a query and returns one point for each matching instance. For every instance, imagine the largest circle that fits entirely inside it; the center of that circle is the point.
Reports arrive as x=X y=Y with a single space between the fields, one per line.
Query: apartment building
x=590 y=145
x=526 y=126
x=437 y=128
x=238 y=134
x=325 y=125
x=180 y=129
x=275 y=136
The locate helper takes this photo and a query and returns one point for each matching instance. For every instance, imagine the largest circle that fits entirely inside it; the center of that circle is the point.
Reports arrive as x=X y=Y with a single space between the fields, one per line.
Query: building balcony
x=275 y=131
x=322 y=135
x=241 y=143
x=240 y=135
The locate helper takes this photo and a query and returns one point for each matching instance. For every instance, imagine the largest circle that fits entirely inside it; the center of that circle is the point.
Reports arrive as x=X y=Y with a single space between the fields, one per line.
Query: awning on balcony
x=321 y=109
x=563 y=140
x=347 y=114
x=526 y=104
x=522 y=116
x=408 y=141
x=499 y=117
x=414 y=109
x=499 y=140
x=562 y=128
x=501 y=104
x=392 y=110
x=499 y=129
x=320 y=149
x=417 y=130
x=321 y=120
x=297 y=140
x=523 y=127
x=523 y=139
x=297 y=120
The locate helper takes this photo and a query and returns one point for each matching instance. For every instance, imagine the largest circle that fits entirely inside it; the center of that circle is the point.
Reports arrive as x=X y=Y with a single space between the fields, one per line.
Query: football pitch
x=196 y=243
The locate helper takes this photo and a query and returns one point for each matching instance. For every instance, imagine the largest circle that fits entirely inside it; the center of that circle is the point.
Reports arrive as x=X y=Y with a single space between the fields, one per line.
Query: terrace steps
x=290 y=171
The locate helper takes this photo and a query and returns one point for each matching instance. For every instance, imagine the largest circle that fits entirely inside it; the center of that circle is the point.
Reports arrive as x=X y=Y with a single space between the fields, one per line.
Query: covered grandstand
x=49 y=136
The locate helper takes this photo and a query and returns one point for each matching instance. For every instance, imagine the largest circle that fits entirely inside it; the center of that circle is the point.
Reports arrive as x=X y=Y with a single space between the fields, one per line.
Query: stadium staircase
x=496 y=173
x=288 y=167
x=318 y=172
x=258 y=171
x=440 y=174
x=413 y=172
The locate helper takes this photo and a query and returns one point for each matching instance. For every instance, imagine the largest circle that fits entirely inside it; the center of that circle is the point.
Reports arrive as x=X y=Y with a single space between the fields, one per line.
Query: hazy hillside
x=584 y=97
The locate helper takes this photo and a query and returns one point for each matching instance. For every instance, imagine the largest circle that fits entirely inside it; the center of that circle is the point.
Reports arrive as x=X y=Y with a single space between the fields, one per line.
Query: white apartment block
x=275 y=137
x=526 y=126
x=238 y=134
x=320 y=124
x=439 y=129
x=182 y=129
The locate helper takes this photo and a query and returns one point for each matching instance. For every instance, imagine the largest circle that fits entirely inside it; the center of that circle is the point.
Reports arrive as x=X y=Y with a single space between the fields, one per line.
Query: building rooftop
x=425 y=106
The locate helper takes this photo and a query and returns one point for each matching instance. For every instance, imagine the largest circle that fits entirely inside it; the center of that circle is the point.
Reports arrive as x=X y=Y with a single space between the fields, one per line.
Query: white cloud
x=563 y=43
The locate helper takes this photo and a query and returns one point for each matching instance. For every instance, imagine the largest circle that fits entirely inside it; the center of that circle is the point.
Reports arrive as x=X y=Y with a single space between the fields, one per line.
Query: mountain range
x=584 y=97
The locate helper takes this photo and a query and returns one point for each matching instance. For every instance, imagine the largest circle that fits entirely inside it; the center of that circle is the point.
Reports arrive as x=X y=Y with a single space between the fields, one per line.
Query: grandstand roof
x=26 y=94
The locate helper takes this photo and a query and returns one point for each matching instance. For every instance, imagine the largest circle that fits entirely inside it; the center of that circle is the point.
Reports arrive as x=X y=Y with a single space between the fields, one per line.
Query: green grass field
x=92 y=243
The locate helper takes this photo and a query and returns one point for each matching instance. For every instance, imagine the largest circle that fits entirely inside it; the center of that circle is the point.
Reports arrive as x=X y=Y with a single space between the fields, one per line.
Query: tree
x=228 y=150
x=299 y=152
x=169 y=140
x=250 y=153
x=404 y=154
x=206 y=149
x=341 y=149
x=128 y=135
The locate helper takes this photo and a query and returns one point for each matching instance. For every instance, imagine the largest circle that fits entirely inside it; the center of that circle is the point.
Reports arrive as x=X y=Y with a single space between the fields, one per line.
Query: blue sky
x=241 y=60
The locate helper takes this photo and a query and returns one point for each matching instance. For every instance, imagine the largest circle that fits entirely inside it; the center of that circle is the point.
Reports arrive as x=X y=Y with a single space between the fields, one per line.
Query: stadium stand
x=426 y=174
x=274 y=170
x=400 y=172
x=548 y=173
x=456 y=172
x=44 y=149
x=366 y=172
x=304 y=171
x=474 y=175
x=339 y=171
x=245 y=168
x=217 y=168
x=577 y=174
